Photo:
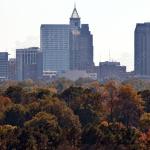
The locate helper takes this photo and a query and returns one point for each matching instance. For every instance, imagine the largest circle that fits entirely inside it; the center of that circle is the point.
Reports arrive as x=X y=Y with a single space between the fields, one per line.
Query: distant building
x=86 y=47
x=55 y=47
x=81 y=44
x=12 y=69
x=29 y=63
x=3 y=66
x=111 y=70
x=142 y=49
x=81 y=48
x=67 y=47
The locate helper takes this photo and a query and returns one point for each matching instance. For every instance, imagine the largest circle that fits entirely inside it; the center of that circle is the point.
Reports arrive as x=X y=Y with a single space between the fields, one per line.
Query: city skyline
x=67 y=46
x=111 y=22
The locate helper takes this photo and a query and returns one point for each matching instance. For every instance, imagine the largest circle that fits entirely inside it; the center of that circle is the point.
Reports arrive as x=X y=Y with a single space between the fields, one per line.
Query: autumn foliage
x=81 y=115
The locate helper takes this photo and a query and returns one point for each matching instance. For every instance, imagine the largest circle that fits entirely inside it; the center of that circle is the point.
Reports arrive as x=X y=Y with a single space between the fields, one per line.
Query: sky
x=112 y=23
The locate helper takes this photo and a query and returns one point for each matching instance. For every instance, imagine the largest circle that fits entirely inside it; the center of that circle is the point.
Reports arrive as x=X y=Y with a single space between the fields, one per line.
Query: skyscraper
x=3 y=65
x=29 y=63
x=55 y=47
x=81 y=44
x=142 y=49
x=67 y=47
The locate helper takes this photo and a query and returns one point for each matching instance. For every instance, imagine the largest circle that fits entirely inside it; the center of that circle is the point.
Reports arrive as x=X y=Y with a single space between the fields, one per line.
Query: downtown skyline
x=111 y=22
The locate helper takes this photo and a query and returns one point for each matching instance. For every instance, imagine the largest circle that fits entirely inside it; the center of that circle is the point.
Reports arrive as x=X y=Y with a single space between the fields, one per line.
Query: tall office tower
x=67 y=47
x=3 y=65
x=12 y=69
x=86 y=48
x=142 y=49
x=29 y=63
x=74 y=40
x=55 y=47
x=81 y=44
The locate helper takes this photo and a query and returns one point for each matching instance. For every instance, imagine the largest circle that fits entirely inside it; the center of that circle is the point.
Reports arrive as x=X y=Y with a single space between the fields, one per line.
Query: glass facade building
x=142 y=49
x=3 y=65
x=55 y=47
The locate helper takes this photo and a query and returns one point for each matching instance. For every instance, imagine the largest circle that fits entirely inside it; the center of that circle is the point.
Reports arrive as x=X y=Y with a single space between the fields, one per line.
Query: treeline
x=81 y=115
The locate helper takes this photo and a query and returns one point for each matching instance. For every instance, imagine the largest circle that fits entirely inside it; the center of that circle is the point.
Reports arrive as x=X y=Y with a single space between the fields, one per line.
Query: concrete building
x=3 y=66
x=29 y=63
x=111 y=70
x=142 y=49
x=12 y=69
x=67 y=47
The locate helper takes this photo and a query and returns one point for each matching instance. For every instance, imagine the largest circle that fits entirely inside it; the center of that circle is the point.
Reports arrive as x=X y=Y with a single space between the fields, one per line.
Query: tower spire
x=75 y=13
x=75 y=19
x=74 y=5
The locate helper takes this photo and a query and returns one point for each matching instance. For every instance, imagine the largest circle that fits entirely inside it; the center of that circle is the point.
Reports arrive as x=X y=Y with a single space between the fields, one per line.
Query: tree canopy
x=81 y=115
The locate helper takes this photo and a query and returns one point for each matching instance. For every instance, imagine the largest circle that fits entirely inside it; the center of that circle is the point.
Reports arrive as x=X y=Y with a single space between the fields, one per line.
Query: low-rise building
x=12 y=69
x=29 y=64
x=111 y=70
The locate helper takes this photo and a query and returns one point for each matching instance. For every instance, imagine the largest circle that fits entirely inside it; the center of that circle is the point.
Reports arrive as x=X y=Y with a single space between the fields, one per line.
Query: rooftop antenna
x=100 y=59
x=109 y=56
x=75 y=5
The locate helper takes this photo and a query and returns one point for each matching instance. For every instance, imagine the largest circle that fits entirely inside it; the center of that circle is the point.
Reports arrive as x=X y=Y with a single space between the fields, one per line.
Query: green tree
x=32 y=109
x=85 y=103
x=42 y=93
x=44 y=124
x=145 y=122
x=146 y=98
x=15 y=115
x=26 y=140
x=70 y=94
x=15 y=93
x=111 y=98
x=129 y=107
x=114 y=136
x=69 y=122
x=88 y=107
x=8 y=137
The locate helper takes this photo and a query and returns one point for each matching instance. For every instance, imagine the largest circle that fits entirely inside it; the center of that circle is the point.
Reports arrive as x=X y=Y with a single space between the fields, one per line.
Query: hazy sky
x=112 y=23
